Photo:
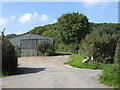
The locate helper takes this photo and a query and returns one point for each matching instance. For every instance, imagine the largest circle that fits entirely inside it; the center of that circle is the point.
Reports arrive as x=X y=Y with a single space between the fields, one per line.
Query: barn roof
x=30 y=36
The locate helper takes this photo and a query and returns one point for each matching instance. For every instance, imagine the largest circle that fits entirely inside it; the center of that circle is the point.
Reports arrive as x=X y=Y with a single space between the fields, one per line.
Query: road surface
x=51 y=72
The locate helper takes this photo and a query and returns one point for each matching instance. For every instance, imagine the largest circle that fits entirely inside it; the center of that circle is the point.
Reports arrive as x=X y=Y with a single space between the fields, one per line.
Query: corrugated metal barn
x=25 y=45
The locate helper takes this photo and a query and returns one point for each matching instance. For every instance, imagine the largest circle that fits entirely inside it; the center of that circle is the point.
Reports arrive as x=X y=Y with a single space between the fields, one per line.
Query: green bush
x=99 y=46
x=9 y=58
x=104 y=51
x=45 y=48
x=117 y=53
x=72 y=48
x=117 y=60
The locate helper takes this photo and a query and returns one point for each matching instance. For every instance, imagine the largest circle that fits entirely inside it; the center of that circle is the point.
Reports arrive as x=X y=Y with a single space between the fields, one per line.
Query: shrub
x=104 y=51
x=117 y=53
x=72 y=48
x=117 y=60
x=45 y=48
x=100 y=47
x=9 y=58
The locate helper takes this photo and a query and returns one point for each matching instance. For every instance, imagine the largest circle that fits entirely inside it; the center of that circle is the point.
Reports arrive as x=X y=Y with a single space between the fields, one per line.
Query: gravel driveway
x=50 y=72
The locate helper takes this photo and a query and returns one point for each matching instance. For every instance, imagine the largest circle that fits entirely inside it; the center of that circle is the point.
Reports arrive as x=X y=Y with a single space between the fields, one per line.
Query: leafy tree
x=73 y=27
x=41 y=29
x=37 y=30
x=49 y=33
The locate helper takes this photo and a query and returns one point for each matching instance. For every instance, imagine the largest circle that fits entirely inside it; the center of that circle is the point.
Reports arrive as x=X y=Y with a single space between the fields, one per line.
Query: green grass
x=76 y=61
x=8 y=73
x=1 y=75
x=110 y=75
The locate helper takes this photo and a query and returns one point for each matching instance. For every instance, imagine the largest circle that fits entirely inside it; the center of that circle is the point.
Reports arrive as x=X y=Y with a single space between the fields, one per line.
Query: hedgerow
x=9 y=58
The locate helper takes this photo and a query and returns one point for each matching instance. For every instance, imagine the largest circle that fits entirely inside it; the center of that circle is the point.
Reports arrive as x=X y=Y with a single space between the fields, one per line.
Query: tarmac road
x=51 y=72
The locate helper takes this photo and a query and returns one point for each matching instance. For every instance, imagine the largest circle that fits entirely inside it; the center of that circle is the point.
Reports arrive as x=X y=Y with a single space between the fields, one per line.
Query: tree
x=41 y=29
x=49 y=33
x=73 y=27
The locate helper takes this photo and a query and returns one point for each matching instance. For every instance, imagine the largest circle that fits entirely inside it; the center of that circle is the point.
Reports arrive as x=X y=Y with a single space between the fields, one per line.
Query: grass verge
x=1 y=75
x=76 y=61
x=110 y=75
x=8 y=73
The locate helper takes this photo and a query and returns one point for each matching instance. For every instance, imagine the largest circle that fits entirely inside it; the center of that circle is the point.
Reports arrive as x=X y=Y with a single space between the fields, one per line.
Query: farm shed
x=25 y=44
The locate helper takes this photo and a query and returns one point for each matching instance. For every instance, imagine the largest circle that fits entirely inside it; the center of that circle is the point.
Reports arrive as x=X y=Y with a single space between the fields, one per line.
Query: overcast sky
x=20 y=17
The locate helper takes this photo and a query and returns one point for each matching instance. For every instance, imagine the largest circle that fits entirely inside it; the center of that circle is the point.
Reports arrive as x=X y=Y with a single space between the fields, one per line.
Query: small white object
x=85 y=60
x=92 y=58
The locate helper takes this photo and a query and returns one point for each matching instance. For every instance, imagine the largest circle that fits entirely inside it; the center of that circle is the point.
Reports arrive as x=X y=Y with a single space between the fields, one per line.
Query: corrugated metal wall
x=28 y=46
x=28 y=52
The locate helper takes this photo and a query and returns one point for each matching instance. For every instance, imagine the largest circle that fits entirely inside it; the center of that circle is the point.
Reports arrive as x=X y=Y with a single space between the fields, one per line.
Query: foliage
x=41 y=29
x=9 y=58
x=117 y=53
x=106 y=28
x=117 y=60
x=76 y=61
x=110 y=75
x=49 y=30
x=73 y=27
x=70 y=28
x=10 y=36
x=73 y=48
x=104 y=51
x=100 y=43
x=37 y=30
x=45 y=48
x=49 y=33
x=52 y=33
x=1 y=76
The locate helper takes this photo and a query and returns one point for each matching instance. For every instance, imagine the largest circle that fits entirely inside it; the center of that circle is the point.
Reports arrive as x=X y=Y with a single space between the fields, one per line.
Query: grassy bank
x=76 y=61
x=110 y=75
